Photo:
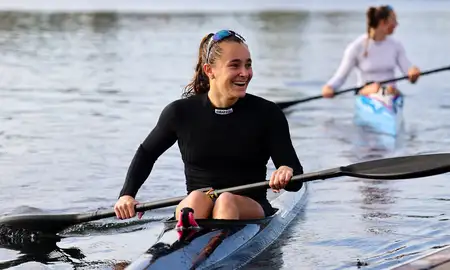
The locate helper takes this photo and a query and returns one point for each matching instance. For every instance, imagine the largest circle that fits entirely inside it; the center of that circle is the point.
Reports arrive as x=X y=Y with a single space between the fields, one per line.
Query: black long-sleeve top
x=220 y=147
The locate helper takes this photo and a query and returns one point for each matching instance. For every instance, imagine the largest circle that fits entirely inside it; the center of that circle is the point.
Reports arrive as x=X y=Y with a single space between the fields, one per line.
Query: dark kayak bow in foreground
x=406 y=167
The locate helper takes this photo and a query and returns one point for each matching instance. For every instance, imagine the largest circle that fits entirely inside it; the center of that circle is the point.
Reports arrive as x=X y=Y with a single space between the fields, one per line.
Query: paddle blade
x=400 y=167
x=39 y=223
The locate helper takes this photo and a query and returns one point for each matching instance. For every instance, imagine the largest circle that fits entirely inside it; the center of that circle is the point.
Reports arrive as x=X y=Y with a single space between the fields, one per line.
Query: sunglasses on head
x=218 y=36
x=389 y=7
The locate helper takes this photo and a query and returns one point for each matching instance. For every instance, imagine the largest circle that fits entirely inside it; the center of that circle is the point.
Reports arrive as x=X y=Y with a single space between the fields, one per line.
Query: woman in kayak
x=375 y=55
x=225 y=136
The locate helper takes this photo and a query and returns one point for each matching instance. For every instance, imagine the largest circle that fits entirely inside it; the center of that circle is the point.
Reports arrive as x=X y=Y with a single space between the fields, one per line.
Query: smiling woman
x=225 y=136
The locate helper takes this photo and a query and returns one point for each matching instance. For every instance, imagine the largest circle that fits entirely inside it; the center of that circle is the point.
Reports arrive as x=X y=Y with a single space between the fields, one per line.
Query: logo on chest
x=223 y=112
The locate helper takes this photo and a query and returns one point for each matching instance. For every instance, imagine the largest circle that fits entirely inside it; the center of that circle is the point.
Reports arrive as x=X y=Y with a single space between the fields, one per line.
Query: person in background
x=375 y=55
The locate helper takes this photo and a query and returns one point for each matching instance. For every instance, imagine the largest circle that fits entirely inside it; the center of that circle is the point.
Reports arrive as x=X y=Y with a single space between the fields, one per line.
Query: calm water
x=79 y=92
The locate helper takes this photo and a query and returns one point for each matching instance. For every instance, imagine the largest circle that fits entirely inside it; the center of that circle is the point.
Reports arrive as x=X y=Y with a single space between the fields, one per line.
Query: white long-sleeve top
x=379 y=64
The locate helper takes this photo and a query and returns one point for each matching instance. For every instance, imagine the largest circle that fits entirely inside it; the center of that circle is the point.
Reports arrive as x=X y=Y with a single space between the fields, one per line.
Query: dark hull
x=229 y=245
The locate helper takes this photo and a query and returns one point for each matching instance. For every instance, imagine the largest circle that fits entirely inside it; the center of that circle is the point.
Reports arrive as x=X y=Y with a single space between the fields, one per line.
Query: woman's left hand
x=280 y=178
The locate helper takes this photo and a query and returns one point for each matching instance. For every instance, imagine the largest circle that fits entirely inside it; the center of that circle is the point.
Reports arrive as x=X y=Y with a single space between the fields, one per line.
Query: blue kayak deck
x=377 y=116
x=238 y=244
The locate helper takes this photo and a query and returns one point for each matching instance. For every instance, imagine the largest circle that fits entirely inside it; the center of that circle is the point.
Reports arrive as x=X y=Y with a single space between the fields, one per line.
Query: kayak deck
x=377 y=116
x=230 y=243
x=438 y=260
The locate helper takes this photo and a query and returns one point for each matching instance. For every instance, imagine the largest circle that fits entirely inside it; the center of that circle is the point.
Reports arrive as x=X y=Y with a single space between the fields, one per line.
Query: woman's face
x=390 y=23
x=232 y=71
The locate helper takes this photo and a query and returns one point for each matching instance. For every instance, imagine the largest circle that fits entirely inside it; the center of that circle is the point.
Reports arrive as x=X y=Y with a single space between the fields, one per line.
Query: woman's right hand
x=124 y=207
x=327 y=91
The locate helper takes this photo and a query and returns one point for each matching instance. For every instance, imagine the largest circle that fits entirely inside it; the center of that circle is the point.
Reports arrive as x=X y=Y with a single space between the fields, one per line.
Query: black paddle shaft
x=395 y=168
x=286 y=104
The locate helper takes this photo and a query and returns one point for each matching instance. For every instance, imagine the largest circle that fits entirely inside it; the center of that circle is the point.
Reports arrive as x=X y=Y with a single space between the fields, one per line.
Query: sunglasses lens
x=218 y=37
x=221 y=35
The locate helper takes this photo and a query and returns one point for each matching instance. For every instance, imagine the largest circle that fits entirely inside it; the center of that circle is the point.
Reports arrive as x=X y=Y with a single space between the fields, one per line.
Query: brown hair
x=374 y=16
x=211 y=50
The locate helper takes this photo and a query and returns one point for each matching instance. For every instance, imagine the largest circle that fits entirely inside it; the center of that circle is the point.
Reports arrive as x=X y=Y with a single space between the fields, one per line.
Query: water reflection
x=104 y=22
x=57 y=22
x=280 y=38
x=371 y=145
x=279 y=43
x=377 y=196
x=274 y=255
x=43 y=250
x=276 y=22
x=341 y=22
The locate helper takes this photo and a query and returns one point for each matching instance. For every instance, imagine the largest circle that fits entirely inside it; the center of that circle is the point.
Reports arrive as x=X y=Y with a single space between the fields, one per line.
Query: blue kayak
x=380 y=114
x=222 y=244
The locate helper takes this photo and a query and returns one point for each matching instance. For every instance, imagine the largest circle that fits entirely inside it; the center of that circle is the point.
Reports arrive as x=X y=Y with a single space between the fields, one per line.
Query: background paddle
x=286 y=104
x=388 y=169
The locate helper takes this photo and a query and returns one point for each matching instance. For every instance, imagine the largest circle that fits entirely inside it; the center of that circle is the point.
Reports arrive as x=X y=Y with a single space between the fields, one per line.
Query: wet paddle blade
x=39 y=223
x=405 y=167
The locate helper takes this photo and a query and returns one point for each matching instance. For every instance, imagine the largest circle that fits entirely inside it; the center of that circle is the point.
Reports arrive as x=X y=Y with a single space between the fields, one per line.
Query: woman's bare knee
x=369 y=89
x=199 y=202
x=230 y=206
x=226 y=207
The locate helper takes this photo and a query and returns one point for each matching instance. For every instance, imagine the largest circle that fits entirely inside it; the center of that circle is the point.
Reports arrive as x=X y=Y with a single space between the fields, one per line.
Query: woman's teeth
x=240 y=83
